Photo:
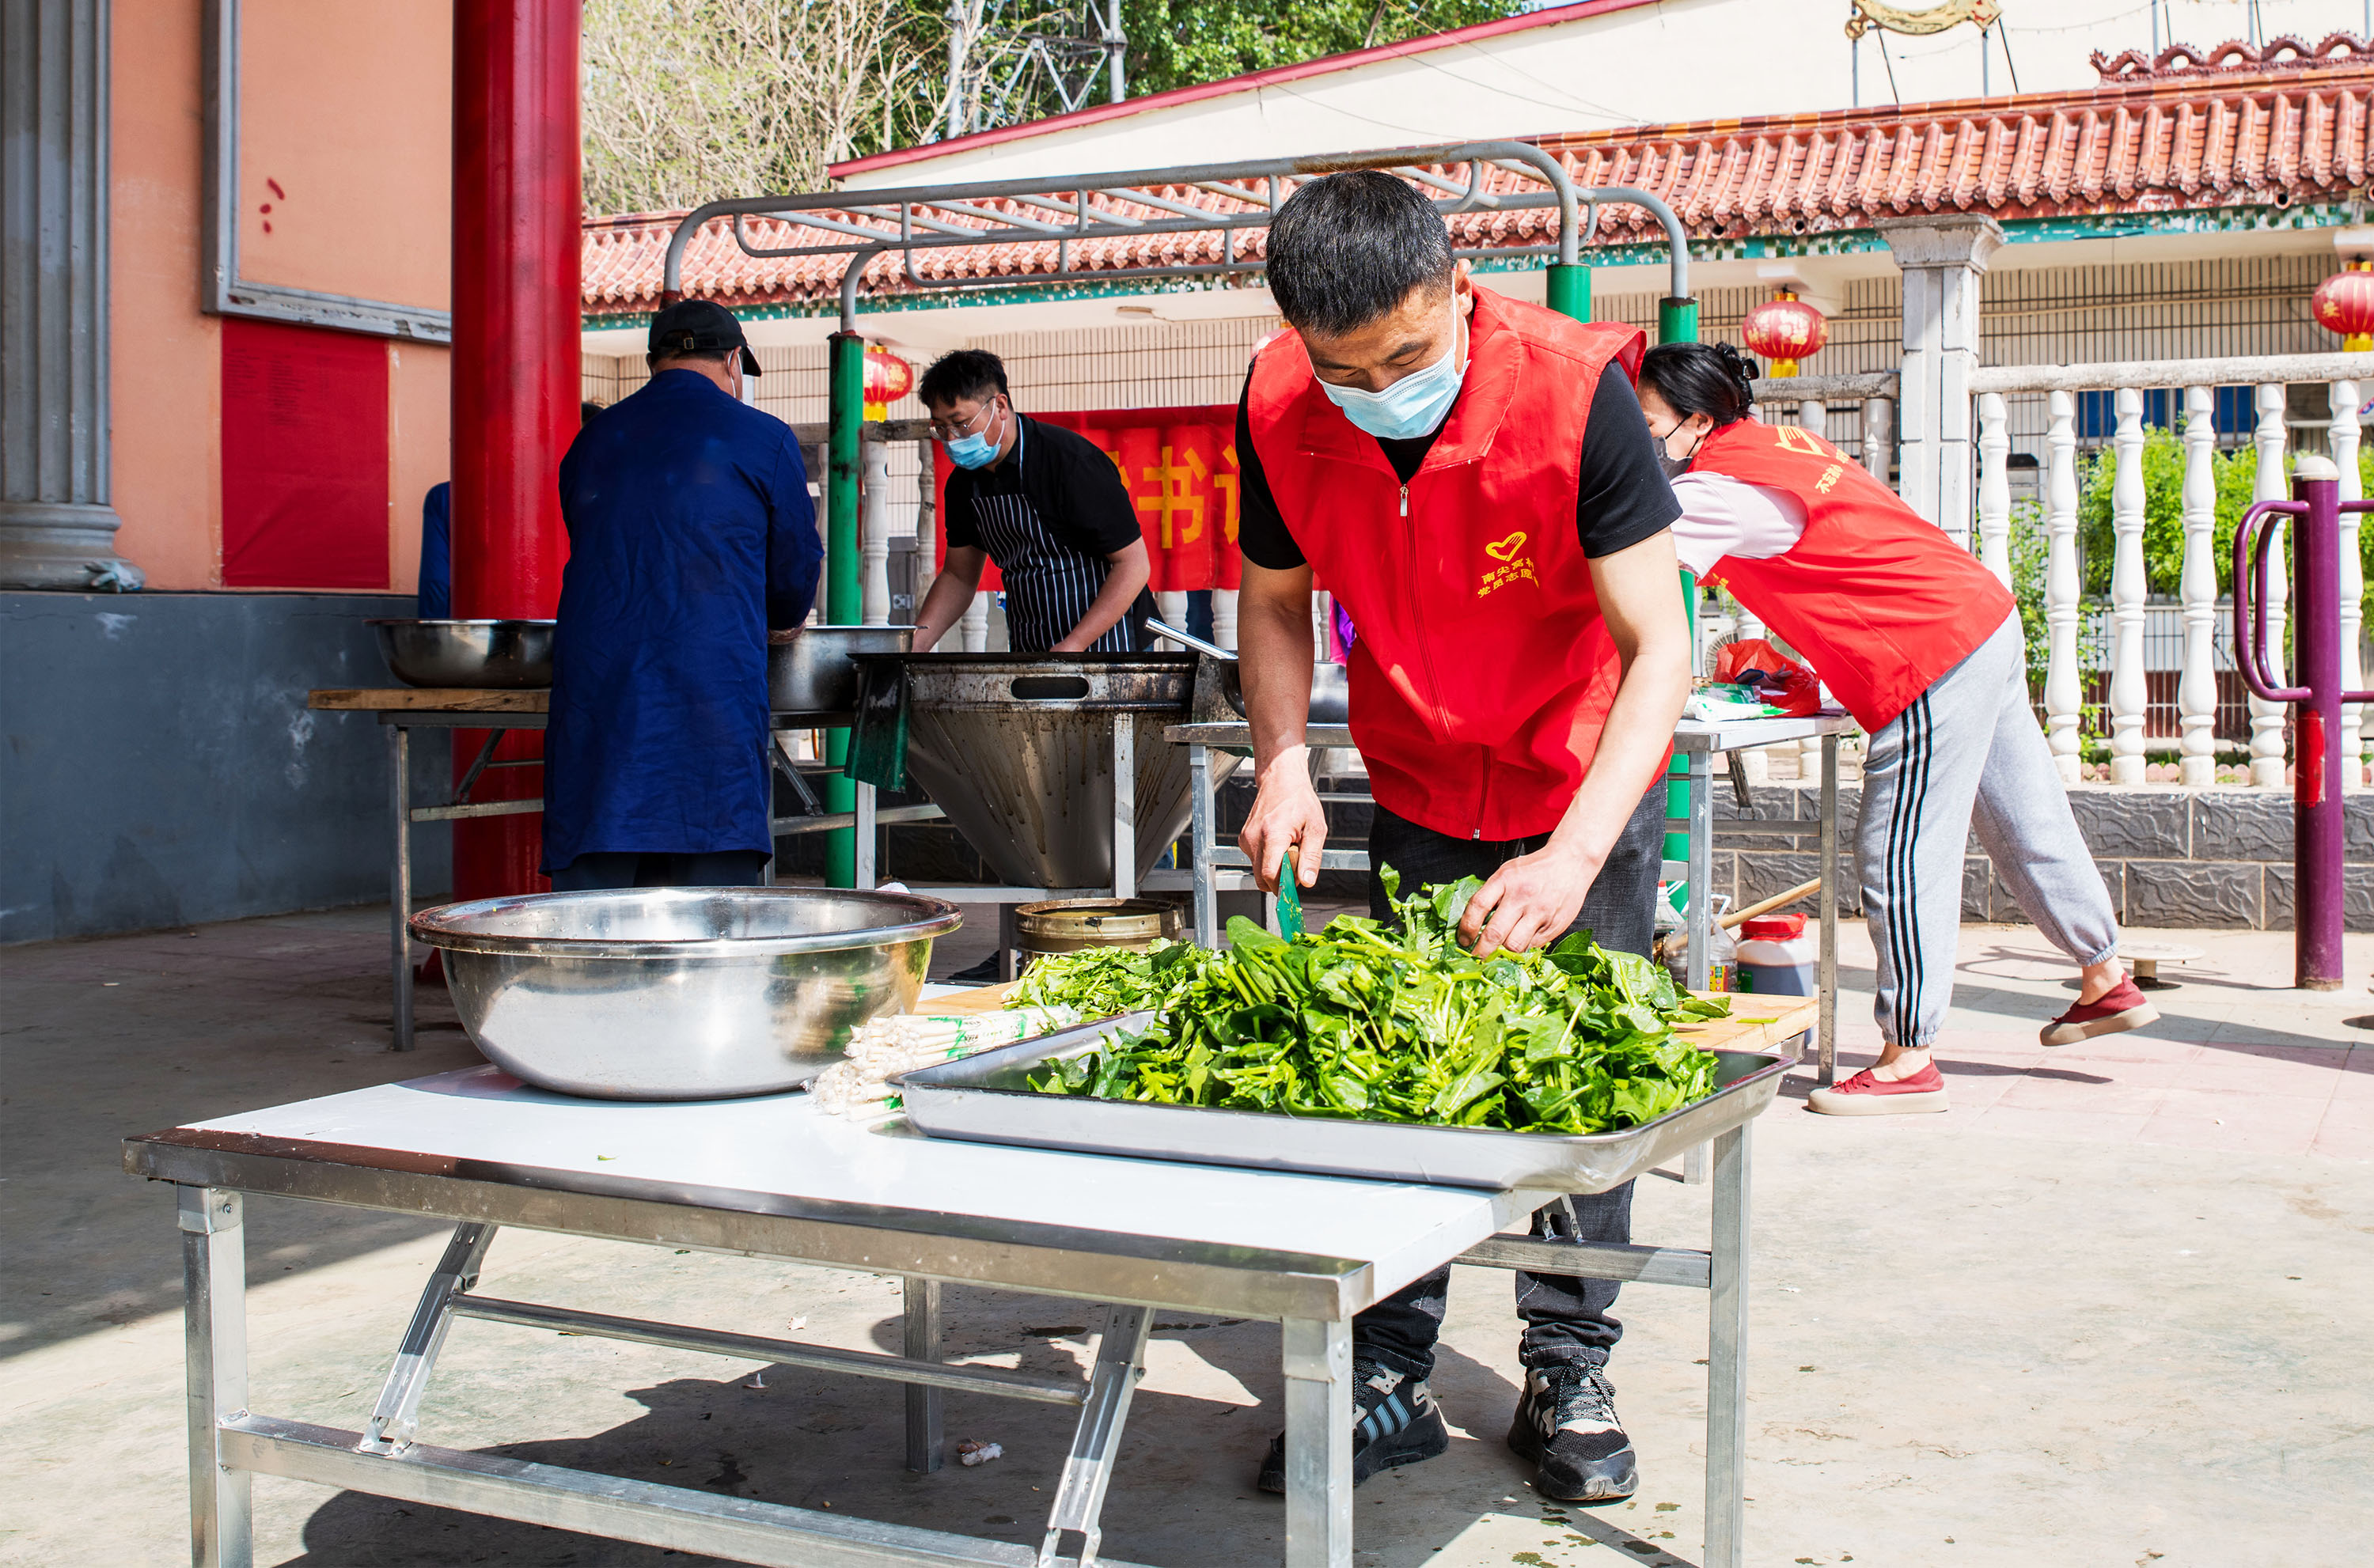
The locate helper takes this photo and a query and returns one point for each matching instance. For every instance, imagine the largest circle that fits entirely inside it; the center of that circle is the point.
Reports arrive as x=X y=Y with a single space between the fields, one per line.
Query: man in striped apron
x=1047 y=505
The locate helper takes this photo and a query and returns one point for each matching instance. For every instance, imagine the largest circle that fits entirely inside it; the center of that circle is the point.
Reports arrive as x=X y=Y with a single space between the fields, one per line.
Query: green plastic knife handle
x=1289 y=900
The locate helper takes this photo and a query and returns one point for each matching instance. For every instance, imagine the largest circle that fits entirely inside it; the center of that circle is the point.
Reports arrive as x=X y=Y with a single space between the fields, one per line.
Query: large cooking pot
x=813 y=670
x=1018 y=749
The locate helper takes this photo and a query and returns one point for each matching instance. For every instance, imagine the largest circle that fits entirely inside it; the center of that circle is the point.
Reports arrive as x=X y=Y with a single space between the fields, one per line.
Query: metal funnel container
x=1018 y=751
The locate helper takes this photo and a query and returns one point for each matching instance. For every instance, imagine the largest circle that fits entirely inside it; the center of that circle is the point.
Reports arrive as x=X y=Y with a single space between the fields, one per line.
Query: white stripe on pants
x=1967 y=753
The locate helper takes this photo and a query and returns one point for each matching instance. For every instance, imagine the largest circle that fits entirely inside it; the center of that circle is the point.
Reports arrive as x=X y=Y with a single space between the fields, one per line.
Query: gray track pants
x=1967 y=753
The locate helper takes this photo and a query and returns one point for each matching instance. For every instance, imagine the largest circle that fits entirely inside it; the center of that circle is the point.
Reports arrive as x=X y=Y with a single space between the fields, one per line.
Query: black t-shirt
x=1072 y=483
x=1623 y=497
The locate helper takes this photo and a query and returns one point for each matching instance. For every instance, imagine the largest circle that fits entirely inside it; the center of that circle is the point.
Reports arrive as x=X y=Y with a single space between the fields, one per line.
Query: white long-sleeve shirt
x=1722 y=515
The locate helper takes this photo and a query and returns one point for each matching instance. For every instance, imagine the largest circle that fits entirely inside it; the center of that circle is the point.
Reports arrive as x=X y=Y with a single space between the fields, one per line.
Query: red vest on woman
x=1482 y=673
x=1879 y=600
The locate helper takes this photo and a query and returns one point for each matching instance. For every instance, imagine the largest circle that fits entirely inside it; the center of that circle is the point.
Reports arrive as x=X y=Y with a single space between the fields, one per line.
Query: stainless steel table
x=1217 y=867
x=402 y=709
x=771 y=1177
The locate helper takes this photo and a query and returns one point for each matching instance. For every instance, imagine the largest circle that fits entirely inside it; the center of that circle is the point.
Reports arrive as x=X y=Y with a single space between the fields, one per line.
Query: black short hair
x=1712 y=378
x=965 y=372
x=690 y=357
x=1347 y=248
x=586 y=410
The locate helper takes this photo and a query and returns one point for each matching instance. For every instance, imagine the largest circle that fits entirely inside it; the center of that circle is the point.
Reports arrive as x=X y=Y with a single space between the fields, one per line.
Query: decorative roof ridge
x=2289 y=53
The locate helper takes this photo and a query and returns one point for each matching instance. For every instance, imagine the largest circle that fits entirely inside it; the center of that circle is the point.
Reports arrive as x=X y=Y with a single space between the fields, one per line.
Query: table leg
x=399 y=887
x=1124 y=822
x=927 y=1442
x=1825 y=1033
x=1096 y=1441
x=1701 y=913
x=1318 y=1444
x=1199 y=844
x=214 y=1284
x=1726 y=1472
x=867 y=837
x=397 y=1415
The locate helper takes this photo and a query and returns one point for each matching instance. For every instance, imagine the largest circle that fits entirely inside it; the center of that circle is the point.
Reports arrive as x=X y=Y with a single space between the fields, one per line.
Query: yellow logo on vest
x=1795 y=439
x=1513 y=568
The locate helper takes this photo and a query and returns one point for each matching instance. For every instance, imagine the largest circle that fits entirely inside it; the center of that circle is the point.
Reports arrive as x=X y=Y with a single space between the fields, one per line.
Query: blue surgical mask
x=975 y=450
x=1413 y=406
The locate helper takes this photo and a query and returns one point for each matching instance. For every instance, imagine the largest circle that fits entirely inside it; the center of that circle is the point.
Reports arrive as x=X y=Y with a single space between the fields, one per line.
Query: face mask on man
x=973 y=450
x=1415 y=404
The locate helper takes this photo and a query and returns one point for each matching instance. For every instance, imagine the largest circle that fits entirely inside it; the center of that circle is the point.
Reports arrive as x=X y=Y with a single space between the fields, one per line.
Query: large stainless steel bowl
x=814 y=670
x=680 y=993
x=508 y=654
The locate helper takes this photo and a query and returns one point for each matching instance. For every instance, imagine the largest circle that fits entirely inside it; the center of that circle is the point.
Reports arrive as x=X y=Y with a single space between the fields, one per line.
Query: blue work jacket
x=691 y=534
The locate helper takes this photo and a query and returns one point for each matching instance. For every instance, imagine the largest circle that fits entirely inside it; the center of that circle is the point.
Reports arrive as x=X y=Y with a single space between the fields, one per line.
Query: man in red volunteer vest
x=1922 y=645
x=1471 y=477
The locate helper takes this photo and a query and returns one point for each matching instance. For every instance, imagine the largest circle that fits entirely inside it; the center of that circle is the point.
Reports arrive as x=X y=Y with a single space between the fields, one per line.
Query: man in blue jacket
x=690 y=536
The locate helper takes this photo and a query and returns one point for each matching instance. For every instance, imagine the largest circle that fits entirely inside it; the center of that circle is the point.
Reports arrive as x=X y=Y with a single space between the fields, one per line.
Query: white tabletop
x=1746 y=734
x=780 y=1145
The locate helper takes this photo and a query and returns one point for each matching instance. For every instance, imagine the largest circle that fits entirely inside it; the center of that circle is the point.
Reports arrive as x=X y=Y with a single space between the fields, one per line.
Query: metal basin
x=506 y=654
x=1017 y=750
x=1330 y=692
x=814 y=670
x=680 y=993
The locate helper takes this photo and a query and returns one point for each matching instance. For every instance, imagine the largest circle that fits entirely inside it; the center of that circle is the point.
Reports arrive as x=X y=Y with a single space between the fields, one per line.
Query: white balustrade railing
x=2196 y=688
x=2341 y=442
x=1994 y=486
x=2063 y=687
x=2267 y=718
x=2197 y=684
x=874 y=534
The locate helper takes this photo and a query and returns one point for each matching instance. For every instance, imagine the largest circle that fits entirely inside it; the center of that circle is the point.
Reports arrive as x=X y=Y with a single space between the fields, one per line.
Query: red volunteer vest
x=1878 y=600
x=1482 y=673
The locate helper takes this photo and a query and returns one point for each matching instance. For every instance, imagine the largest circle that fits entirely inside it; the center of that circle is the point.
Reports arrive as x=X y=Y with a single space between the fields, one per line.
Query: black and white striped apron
x=1049 y=585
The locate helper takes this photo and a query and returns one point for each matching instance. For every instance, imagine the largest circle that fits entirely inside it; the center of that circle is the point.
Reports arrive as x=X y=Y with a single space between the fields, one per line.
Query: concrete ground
x=2108 y=1311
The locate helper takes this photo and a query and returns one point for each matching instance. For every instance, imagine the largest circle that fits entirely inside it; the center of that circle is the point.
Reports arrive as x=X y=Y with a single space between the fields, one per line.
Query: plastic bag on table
x=1776 y=678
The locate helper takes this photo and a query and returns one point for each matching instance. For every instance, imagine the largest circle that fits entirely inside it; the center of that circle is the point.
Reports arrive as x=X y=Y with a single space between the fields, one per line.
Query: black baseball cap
x=690 y=325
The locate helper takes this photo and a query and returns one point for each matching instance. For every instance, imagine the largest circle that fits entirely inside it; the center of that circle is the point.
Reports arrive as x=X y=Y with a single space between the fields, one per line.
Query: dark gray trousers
x=1566 y=1318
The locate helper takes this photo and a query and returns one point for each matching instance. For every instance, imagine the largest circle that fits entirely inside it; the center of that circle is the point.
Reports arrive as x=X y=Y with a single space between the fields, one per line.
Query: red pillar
x=516 y=212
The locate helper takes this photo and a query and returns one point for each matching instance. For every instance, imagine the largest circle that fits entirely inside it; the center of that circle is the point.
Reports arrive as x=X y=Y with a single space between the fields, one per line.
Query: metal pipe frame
x=901 y=219
x=228 y=1444
x=399 y=725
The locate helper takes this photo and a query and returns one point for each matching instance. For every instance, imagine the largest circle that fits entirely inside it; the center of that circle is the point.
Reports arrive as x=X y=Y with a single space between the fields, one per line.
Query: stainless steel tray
x=983 y=1098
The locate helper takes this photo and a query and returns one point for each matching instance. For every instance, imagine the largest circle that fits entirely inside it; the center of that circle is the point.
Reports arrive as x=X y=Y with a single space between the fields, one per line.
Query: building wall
x=1645 y=62
x=163 y=767
x=348 y=110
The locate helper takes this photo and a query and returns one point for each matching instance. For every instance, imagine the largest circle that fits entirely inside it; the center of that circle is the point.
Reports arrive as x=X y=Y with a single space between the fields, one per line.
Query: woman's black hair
x=1712 y=378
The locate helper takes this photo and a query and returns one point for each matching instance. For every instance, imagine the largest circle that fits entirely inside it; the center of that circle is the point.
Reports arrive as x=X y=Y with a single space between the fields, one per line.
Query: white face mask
x=1415 y=404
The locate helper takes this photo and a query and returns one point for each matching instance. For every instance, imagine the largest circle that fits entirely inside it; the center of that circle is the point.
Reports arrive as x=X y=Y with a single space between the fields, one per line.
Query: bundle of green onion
x=1364 y=1021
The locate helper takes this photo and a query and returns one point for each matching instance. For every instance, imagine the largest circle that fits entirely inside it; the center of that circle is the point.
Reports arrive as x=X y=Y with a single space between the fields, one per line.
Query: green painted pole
x=1569 y=291
x=1677 y=321
x=842 y=606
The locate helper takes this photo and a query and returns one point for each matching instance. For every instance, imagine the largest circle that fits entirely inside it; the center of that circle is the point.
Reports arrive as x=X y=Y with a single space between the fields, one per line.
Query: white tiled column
x=1944 y=259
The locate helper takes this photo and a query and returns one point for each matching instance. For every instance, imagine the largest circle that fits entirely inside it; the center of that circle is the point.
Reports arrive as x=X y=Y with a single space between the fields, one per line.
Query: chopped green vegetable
x=1359 y=1021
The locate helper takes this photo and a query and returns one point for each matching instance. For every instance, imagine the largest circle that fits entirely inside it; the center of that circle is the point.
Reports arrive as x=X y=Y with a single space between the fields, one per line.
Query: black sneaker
x=1394 y=1422
x=1567 y=1425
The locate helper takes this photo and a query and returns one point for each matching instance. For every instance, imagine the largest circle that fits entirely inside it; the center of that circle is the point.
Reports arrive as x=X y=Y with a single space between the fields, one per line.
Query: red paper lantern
x=1785 y=330
x=2343 y=303
x=887 y=379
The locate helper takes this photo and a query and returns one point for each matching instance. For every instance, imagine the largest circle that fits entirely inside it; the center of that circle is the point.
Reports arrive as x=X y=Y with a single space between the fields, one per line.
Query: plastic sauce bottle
x=1778 y=956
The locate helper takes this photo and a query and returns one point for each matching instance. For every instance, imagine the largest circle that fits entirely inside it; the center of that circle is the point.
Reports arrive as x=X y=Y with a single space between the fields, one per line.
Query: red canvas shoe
x=2121 y=1007
x=1864 y=1094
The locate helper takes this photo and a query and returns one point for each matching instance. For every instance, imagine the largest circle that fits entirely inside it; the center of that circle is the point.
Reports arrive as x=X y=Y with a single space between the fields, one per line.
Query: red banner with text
x=1181 y=468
